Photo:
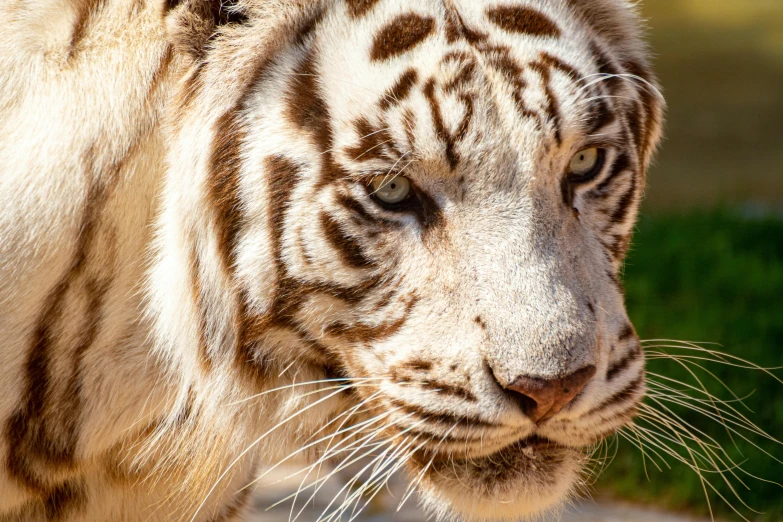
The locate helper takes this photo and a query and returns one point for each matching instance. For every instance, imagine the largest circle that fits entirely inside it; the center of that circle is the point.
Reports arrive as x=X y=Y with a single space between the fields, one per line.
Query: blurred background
x=706 y=266
x=707 y=261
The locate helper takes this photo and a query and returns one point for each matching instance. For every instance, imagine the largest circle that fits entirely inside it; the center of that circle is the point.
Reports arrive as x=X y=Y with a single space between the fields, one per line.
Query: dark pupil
x=392 y=185
x=582 y=157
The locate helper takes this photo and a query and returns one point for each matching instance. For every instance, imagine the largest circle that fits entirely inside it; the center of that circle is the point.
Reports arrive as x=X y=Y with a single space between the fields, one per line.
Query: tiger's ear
x=191 y=24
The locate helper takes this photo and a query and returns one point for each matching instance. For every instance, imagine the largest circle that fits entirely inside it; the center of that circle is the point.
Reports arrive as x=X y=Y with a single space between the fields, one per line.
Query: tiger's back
x=153 y=272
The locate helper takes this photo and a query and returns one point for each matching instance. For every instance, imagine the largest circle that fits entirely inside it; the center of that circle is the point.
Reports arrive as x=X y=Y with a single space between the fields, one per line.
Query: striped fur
x=186 y=223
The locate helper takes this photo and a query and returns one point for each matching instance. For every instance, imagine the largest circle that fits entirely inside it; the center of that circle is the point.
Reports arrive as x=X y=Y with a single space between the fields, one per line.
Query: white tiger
x=418 y=207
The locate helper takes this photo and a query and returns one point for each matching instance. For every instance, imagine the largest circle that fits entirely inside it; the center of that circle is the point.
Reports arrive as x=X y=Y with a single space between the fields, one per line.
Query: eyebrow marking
x=522 y=20
x=401 y=35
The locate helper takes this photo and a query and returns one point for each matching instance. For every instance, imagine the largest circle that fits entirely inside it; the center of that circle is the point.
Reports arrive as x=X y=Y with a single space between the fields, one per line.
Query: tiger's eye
x=584 y=162
x=389 y=189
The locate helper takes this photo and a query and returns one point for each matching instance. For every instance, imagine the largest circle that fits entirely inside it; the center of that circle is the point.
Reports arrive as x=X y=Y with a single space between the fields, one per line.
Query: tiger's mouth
x=533 y=447
x=521 y=479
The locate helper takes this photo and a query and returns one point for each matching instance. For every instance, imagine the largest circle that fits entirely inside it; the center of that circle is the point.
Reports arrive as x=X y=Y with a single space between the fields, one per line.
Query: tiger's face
x=434 y=197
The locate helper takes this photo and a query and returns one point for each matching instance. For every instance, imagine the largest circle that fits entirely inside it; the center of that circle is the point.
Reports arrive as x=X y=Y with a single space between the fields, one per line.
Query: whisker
x=737 y=418
x=362 y=444
x=310 y=445
x=254 y=444
x=721 y=356
x=307 y=383
x=391 y=445
x=673 y=422
x=412 y=487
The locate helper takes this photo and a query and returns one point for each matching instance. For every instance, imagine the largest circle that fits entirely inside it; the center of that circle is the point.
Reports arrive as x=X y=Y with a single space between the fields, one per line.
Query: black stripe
x=625 y=395
x=446 y=419
x=621 y=164
x=619 y=366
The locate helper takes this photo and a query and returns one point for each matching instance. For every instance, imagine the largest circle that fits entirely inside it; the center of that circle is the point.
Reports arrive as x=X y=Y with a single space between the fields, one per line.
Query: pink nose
x=542 y=398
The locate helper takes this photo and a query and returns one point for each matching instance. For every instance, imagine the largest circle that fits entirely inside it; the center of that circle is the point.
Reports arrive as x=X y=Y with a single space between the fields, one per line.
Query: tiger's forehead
x=480 y=73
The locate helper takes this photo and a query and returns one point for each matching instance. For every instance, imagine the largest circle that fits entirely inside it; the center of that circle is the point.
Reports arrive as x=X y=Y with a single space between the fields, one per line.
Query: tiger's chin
x=520 y=482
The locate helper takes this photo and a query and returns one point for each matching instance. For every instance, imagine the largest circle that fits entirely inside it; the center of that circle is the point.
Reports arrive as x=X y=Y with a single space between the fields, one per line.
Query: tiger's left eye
x=390 y=190
x=586 y=164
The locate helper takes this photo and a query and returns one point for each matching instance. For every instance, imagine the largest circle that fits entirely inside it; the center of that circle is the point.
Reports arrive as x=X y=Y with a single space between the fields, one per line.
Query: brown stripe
x=364 y=333
x=419 y=365
x=373 y=143
x=308 y=110
x=448 y=389
x=462 y=128
x=553 y=105
x=462 y=78
x=73 y=399
x=400 y=90
x=409 y=124
x=282 y=176
x=32 y=443
x=349 y=249
x=401 y=35
x=200 y=303
x=353 y=206
x=553 y=62
x=226 y=12
x=223 y=184
x=523 y=20
x=161 y=72
x=500 y=58
x=350 y=294
x=430 y=215
x=191 y=87
x=384 y=301
x=86 y=9
x=456 y=29
x=306 y=107
x=64 y=500
x=623 y=243
x=358 y=8
x=613 y=277
x=440 y=128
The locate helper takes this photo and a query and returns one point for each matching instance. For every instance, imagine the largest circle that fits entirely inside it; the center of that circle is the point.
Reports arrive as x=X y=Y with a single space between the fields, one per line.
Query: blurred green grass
x=710 y=276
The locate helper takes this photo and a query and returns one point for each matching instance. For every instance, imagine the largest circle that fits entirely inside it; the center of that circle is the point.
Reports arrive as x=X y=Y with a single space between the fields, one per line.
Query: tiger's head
x=432 y=197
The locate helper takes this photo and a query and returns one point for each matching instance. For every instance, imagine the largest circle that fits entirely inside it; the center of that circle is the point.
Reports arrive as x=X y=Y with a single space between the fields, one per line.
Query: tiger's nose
x=541 y=398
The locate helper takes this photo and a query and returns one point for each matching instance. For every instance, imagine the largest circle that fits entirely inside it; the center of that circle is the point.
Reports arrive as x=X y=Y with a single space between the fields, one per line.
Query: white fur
x=111 y=109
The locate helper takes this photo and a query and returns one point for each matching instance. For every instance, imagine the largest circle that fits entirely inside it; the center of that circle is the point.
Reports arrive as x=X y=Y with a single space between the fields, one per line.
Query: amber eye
x=586 y=164
x=390 y=190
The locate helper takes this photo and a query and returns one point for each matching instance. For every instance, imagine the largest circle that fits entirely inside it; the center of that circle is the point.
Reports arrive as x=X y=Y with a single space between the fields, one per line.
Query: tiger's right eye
x=586 y=164
x=390 y=190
